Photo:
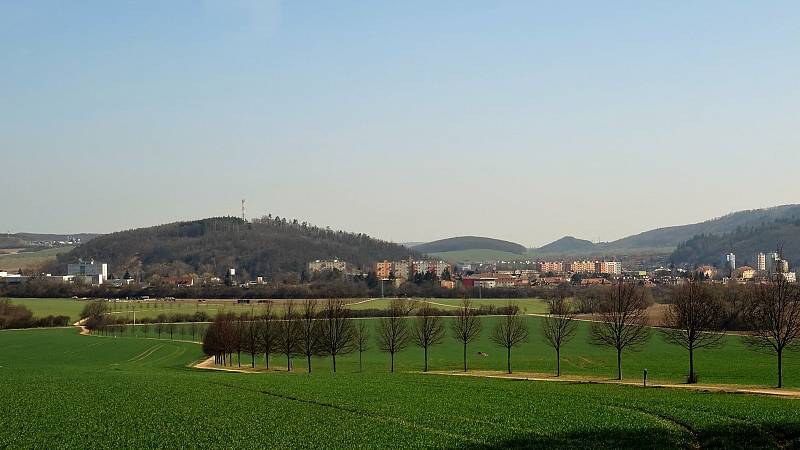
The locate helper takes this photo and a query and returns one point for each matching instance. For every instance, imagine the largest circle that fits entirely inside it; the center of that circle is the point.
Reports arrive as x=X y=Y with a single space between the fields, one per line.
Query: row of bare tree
x=621 y=322
x=693 y=320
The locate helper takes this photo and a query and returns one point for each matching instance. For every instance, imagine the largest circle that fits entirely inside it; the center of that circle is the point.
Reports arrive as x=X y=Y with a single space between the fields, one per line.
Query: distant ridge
x=267 y=247
x=745 y=242
x=568 y=244
x=665 y=240
x=462 y=243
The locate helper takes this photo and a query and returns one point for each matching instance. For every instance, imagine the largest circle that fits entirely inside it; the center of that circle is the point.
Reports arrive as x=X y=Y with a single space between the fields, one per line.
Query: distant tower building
x=729 y=261
x=772 y=257
x=761 y=262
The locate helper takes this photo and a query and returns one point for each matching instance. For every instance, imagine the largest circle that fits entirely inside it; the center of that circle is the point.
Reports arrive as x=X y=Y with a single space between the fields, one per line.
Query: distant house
x=745 y=273
x=321 y=265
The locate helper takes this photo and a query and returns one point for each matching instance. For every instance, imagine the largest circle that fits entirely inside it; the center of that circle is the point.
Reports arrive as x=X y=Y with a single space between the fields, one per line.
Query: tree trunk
x=266 y=359
x=360 y=367
x=465 y=356
x=253 y=360
x=238 y=357
x=558 y=362
x=692 y=378
x=333 y=355
x=426 y=359
x=780 y=368
x=508 y=359
x=288 y=362
x=619 y=364
x=308 y=358
x=392 y=353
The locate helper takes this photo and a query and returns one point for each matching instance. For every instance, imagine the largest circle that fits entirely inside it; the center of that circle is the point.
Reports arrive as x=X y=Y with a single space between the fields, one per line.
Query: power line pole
x=243 y=216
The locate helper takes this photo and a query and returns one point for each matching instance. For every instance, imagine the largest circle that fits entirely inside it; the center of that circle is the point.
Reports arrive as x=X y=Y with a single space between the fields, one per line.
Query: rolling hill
x=568 y=244
x=745 y=242
x=463 y=243
x=667 y=239
x=264 y=247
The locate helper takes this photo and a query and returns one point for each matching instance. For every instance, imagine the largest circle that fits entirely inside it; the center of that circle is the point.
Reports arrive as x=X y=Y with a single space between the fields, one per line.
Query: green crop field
x=665 y=363
x=152 y=308
x=41 y=307
x=65 y=390
x=25 y=260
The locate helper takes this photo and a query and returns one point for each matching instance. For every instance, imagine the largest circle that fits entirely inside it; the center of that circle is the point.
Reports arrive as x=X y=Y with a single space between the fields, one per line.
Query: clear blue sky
x=405 y=120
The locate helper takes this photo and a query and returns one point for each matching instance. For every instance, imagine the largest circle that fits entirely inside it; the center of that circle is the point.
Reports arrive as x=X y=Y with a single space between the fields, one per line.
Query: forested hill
x=462 y=243
x=268 y=246
x=745 y=242
x=567 y=244
x=665 y=240
x=672 y=236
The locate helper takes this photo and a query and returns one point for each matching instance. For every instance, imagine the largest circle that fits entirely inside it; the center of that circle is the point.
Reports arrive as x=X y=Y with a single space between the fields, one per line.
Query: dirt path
x=208 y=364
x=729 y=388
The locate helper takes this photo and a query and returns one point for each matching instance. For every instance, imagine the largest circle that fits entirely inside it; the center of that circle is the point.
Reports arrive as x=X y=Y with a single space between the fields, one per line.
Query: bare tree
x=338 y=333
x=559 y=326
x=251 y=337
x=622 y=320
x=310 y=332
x=361 y=339
x=774 y=313
x=466 y=326
x=429 y=330
x=510 y=331
x=393 y=330
x=693 y=320
x=289 y=332
x=268 y=332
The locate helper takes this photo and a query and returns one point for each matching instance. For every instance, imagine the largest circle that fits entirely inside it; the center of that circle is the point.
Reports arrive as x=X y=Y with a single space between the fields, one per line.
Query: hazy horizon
x=522 y=121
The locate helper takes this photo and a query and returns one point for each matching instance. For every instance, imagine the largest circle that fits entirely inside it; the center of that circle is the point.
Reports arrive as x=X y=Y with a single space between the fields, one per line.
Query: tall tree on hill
x=268 y=336
x=510 y=331
x=559 y=326
x=289 y=333
x=338 y=333
x=428 y=329
x=693 y=320
x=774 y=313
x=361 y=339
x=394 y=334
x=310 y=332
x=467 y=326
x=622 y=320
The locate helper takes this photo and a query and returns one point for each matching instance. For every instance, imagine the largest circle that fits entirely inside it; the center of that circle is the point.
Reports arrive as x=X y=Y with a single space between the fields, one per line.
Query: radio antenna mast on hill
x=243 y=217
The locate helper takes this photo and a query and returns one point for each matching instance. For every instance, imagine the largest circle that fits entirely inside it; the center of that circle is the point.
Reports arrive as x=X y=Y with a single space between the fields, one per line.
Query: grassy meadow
x=65 y=390
x=732 y=363
x=152 y=308
x=25 y=260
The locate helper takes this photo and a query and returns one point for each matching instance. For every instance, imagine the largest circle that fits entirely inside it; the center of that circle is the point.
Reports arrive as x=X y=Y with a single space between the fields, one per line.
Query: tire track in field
x=768 y=435
x=379 y=418
x=695 y=444
x=145 y=353
x=176 y=353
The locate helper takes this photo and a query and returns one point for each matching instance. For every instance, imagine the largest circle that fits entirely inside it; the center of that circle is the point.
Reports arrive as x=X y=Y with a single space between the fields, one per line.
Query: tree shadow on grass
x=728 y=436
